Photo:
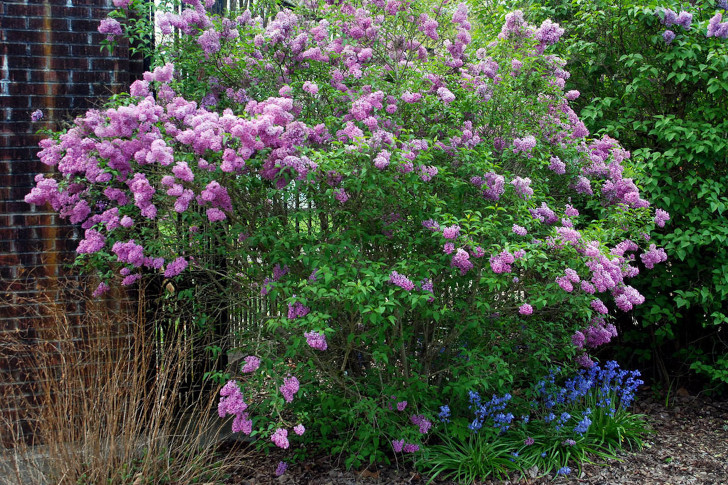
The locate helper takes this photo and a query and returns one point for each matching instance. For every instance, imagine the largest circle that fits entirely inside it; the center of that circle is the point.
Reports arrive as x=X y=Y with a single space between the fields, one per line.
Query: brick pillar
x=50 y=60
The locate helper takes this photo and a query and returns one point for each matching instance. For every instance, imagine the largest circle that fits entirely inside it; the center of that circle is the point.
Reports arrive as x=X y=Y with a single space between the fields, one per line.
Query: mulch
x=689 y=445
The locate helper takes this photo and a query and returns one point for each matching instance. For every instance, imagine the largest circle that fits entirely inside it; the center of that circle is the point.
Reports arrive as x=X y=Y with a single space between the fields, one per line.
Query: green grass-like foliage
x=584 y=420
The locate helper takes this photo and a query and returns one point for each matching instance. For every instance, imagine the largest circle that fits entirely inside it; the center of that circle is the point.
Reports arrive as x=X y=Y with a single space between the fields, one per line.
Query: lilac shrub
x=333 y=159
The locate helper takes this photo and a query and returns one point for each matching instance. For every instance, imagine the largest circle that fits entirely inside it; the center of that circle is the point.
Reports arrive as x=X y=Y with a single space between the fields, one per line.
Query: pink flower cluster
x=522 y=186
x=525 y=309
x=428 y=26
x=599 y=333
x=251 y=364
x=548 y=33
x=716 y=28
x=297 y=310
x=501 y=263
x=494 y=185
x=626 y=297
x=461 y=261
x=557 y=166
x=684 y=19
x=653 y=256
x=110 y=27
x=400 y=446
x=278 y=273
x=316 y=340
x=599 y=306
x=93 y=242
x=381 y=161
x=544 y=214
x=280 y=438
x=451 y=232
x=231 y=402
x=661 y=217
x=289 y=388
x=524 y=145
x=445 y=95
x=515 y=27
x=341 y=195
x=584 y=361
x=401 y=281
x=423 y=423
x=175 y=267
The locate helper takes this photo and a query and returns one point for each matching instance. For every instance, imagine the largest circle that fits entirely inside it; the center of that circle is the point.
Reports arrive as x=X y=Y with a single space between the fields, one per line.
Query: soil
x=689 y=445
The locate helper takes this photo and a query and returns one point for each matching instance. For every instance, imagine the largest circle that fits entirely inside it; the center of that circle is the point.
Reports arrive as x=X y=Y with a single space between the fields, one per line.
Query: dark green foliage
x=668 y=103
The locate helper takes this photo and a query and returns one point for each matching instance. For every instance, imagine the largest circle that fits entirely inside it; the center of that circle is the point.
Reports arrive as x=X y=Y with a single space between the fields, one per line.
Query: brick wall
x=50 y=60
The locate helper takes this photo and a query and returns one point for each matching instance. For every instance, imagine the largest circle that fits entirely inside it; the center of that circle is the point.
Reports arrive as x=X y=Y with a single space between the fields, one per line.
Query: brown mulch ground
x=689 y=446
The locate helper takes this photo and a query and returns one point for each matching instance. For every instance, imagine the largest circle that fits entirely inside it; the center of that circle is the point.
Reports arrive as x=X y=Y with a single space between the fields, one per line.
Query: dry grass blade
x=109 y=409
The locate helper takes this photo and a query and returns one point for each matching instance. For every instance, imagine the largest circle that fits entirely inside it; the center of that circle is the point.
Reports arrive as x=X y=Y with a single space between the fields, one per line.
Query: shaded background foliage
x=668 y=104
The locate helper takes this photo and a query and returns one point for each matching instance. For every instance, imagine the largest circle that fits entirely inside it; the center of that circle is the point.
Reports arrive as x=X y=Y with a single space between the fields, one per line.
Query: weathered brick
x=54 y=64
x=23 y=10
x=85 y=25
x=15 y=23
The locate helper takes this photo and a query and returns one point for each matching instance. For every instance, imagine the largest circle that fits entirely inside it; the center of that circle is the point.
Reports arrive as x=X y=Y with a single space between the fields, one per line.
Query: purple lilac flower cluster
x=653 y=256
x=544 y=214
x=289 y=388
x=278 y=273
x=494 y=185
x=175 y=267
x=420 y=421
x=110 y=27
x=461 y=261
x=451 y=232
x=525 y=309
x=557 y=166
x=297 y=310
x=232 y=402
x=251 y=364
x=683 y=19
x=400 y=446
x=524 y=145
x=522 y=186
x=426 y=285
x=547 y=34
x=316 y=340
x=661 y=217
x=280 y=438
x=401 y=281
x=501 y=263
